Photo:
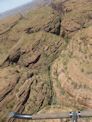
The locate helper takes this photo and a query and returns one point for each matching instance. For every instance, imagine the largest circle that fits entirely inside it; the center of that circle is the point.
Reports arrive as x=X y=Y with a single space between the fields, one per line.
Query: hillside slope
x=46 y=60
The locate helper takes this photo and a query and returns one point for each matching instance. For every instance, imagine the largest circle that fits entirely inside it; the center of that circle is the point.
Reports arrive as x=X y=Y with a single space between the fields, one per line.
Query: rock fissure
x=50 y=64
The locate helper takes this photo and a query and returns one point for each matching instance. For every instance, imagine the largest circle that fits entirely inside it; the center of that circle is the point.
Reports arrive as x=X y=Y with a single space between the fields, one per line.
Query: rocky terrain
x=46 y=60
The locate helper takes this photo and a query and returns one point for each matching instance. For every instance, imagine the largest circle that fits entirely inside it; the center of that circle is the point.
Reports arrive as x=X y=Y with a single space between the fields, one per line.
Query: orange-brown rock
x=46 y=60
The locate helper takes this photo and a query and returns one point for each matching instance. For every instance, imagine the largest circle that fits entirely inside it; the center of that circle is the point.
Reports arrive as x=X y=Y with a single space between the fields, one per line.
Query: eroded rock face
x=12 y=29
x=41 y=66
x=9 y=79
x=71 y=73
x=28 y=52
x=30 y=59
x=48 y=20
x=76 y=16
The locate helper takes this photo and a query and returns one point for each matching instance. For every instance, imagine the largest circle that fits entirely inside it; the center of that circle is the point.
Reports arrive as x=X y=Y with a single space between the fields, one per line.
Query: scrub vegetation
x=46 y=60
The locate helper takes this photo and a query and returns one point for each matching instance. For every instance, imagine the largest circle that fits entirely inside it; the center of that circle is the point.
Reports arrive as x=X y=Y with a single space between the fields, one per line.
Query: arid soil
x=46 y=60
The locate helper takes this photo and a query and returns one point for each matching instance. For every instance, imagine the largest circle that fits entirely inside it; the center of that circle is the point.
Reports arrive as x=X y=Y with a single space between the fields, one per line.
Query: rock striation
x=46 y=60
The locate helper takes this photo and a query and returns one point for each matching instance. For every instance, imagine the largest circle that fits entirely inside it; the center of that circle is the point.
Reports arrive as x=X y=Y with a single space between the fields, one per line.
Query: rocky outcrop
x=46 y=60
x=49 y=21
x=12 y=29
x=76 y=17
x=28 y=52
x=31 y=58
x=70 y=74
x=9 y=79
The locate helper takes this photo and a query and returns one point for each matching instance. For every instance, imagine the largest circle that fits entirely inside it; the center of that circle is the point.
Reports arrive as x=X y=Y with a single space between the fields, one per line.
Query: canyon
x=46 y=60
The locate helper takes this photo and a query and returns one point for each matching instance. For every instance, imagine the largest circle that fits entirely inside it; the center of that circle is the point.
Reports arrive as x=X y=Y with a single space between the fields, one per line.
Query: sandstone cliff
x=46 y=60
